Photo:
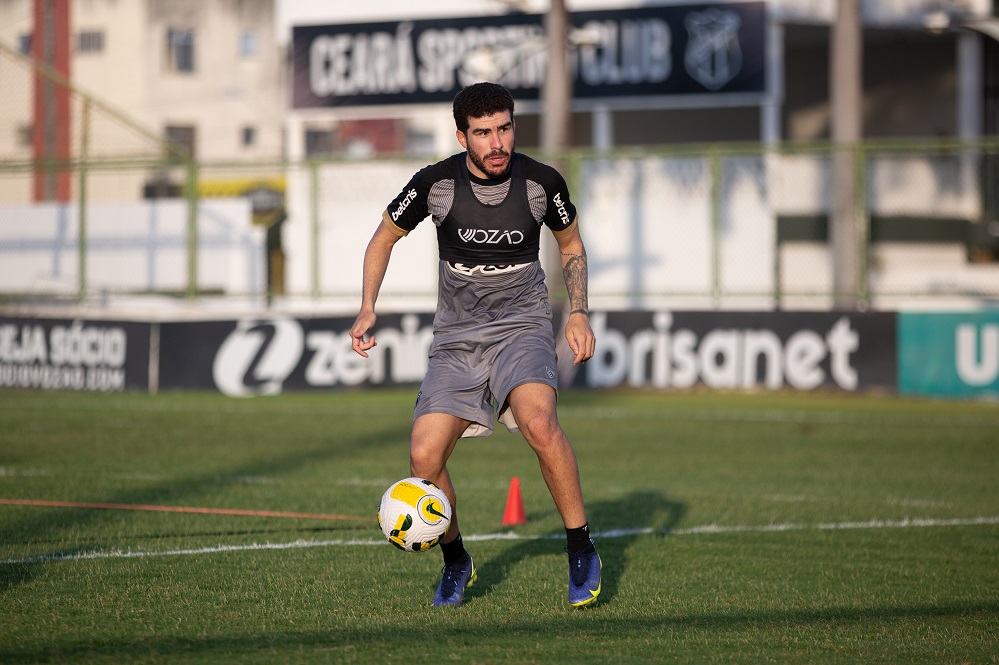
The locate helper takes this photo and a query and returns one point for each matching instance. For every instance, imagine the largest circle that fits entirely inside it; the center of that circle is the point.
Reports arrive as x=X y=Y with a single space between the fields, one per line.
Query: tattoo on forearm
x=575 y=274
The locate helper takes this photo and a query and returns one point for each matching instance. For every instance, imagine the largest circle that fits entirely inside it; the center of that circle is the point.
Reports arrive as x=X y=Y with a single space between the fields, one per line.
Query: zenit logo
x=409 y=198
x=490 y=236
x=257 y=357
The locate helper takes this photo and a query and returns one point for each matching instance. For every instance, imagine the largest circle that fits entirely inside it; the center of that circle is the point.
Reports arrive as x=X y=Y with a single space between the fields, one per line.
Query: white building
x=207 y=76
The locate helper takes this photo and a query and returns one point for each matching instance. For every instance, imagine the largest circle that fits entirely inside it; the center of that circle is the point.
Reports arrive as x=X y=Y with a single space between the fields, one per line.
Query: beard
x=485 y=167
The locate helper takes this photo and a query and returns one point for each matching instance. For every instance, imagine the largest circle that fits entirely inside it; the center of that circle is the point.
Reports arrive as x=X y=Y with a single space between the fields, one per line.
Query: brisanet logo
x=727 y=353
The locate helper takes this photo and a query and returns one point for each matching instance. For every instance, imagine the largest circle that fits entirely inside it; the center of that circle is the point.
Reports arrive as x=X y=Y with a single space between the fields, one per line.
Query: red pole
x=50 y=44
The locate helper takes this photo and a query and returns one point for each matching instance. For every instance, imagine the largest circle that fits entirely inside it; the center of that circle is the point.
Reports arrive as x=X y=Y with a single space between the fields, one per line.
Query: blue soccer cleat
x=584 y=576
x=455 y=578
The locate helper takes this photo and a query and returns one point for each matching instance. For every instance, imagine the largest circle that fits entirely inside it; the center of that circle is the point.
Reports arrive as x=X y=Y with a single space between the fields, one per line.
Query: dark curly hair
x=479 y=100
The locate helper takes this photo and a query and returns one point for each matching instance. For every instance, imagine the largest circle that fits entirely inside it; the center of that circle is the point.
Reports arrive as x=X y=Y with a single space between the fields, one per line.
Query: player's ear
x=462 y=139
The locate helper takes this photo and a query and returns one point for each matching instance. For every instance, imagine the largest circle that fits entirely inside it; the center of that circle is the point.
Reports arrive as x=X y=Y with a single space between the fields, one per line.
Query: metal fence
x=114 y=216
x=698 y=227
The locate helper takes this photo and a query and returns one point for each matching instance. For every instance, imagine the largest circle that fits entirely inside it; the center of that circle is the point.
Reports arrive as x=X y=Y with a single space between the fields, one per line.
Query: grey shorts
x=492 y=333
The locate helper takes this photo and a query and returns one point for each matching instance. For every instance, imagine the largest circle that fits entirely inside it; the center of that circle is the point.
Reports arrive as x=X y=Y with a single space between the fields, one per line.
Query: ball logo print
x=414 y=514
x=430 y=510
x=257 y=357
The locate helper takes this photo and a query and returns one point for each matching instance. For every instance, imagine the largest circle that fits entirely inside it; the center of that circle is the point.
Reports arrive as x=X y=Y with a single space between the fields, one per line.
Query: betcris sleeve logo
x=403 y=204
x=949 y=354
x=563 y=214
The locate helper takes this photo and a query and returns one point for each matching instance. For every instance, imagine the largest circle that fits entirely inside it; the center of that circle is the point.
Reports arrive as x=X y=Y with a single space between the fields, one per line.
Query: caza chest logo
x=491 y=236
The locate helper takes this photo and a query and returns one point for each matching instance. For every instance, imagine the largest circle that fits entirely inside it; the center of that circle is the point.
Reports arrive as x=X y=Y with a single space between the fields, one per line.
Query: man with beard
x=493 y=354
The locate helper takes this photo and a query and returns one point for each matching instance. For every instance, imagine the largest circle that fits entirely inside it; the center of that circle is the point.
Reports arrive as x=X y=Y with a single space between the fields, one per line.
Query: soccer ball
x=414 y=514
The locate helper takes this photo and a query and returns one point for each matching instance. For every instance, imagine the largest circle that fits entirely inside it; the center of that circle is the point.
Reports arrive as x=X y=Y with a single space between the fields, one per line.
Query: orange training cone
x=514 y=513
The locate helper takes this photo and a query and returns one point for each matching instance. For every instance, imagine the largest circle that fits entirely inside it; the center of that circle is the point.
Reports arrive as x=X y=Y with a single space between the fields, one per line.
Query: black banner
x=265 y=356
x=727 y=350
x=637 y=52
x=847 y=351
x=738 y=350
x=68 y=354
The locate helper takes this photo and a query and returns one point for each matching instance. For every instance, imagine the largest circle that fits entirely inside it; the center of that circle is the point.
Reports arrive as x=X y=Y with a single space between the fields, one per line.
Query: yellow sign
x=266 y=195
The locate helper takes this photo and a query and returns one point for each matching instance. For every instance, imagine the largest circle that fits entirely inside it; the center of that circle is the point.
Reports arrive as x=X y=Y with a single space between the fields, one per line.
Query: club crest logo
x=713 y=56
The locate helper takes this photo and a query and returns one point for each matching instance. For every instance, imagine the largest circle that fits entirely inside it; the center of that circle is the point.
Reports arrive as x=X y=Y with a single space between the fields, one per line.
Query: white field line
x=707 y=529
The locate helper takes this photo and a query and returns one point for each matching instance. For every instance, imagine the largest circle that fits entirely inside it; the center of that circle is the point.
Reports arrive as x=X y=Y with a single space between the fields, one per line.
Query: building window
x=181 y=139
x=318 y=142
x=180 y=50
x=25 y=135
x=249 y=43
x=249 y=136
x=24 y=44
x=90 y=42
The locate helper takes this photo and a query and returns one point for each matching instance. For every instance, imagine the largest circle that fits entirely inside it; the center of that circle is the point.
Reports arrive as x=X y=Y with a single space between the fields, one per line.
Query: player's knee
x=425 y=462
x=542 y=431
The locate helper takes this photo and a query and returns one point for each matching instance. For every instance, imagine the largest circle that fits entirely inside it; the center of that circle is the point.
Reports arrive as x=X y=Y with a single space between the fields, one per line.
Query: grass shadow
x=627 y=518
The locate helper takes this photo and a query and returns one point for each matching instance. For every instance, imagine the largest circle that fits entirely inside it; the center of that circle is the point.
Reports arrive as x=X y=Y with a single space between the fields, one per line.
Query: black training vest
x=474 y=233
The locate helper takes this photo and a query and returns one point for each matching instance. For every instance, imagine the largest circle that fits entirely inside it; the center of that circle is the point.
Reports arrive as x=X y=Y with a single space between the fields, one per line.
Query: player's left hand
x=580 y=337
x=365 y=321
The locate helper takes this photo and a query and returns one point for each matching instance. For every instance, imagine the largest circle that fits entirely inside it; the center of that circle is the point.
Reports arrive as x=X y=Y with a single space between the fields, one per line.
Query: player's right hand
x=364 y=322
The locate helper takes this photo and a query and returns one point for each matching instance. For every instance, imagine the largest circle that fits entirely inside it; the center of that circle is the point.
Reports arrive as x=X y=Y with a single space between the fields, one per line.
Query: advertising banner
x=73 y=354
x=737 y=350
x=707 y=49
x=949 y=354
x=934 y=354
x=265 y=356
x=772 y=350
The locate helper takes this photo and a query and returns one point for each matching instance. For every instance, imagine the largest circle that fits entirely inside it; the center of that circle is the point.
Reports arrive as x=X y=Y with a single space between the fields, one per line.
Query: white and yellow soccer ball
x=414 y=514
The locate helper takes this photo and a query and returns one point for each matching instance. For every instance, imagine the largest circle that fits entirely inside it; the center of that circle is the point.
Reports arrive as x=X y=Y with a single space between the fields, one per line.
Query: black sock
x=578 y=539
x=454 y=552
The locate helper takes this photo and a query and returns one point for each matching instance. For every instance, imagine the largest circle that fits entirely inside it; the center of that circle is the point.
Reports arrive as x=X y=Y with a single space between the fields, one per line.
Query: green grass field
x=781 y=528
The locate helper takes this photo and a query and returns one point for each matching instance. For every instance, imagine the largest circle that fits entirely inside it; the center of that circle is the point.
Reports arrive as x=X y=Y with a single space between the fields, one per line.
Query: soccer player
x=493 y=353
